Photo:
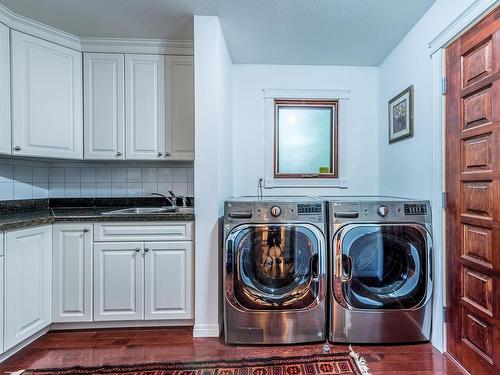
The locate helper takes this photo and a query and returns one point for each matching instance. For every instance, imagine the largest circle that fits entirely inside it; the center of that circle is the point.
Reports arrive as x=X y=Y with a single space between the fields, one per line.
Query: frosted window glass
x=305 y=140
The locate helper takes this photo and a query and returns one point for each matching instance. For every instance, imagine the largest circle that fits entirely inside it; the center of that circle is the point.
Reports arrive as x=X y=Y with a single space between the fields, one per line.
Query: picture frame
x=401 y=116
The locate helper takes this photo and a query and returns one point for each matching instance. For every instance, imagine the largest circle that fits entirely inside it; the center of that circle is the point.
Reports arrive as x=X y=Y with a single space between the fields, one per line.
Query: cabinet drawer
x=139 y=231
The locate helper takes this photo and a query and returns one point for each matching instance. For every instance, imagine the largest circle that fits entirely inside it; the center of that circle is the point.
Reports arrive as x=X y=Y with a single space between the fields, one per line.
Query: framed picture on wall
x=401 y=116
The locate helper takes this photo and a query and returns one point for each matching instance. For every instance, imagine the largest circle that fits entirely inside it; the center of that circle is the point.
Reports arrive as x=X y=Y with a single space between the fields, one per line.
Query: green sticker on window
x=324 y=170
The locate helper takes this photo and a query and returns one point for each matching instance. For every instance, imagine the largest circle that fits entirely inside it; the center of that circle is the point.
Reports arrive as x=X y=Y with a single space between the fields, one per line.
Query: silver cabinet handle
x=17 y=148
x=167 y=153
x=86 y=230
x=137 y=249
x=146 y=249
x=118 y=154
x=160 y=154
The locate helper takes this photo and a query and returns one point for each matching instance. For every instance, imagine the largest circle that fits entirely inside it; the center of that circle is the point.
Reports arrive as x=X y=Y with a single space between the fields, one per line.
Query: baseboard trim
x=121 y=324
x=206 y=330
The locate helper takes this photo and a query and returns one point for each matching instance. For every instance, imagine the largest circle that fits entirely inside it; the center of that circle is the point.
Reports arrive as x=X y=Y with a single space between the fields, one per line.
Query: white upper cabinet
x=145 y=107
x=72 y=272
x=28 y=276
x=47 y=119
x=104 y=113
x=180 y=107
x=5 y=126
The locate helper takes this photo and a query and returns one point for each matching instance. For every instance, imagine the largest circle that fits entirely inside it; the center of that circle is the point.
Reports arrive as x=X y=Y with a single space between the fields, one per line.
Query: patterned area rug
x=323 y=364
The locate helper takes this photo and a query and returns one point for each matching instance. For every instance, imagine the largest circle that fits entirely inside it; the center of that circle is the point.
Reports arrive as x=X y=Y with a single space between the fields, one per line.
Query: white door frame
x=437 y=46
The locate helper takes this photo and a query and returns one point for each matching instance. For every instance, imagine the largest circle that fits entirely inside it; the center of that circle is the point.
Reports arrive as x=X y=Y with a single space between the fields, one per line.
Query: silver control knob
x=275 y=211
x=382 y=211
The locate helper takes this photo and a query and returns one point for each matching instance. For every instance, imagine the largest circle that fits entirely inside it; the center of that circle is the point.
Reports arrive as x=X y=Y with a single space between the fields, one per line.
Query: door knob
x=137 y=249
x=160 y=154
x=17 y=148
x=167 y=153
x=118 y=154
x=85 y=230
x=146 y=249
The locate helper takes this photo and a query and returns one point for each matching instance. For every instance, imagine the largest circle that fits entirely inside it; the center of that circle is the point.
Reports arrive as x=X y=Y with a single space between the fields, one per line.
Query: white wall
x=358 y=132
x=406 y=167
x=213 y=170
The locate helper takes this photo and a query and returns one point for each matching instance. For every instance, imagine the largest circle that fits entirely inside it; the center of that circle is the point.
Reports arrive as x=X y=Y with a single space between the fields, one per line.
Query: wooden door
x=72 y=272
x=168 y=280
x=47 y=118
x=118 y=281
x=104 y=106
x=145 y=107
x=28 y=275
x=473 y=185
x=5 y=127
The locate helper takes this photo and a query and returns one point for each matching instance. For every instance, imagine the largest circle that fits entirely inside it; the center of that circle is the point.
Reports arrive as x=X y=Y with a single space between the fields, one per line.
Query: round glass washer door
x=385 y=266
x=277 y=266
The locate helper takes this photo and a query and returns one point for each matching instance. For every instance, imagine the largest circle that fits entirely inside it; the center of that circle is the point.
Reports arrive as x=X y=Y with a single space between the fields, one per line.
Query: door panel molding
x=473 y=187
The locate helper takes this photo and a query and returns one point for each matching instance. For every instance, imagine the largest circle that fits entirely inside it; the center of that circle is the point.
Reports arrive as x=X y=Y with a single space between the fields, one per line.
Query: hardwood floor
x=133 y=346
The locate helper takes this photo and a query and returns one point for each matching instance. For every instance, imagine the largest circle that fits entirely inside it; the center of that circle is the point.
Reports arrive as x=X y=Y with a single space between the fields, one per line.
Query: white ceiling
x=323 y=32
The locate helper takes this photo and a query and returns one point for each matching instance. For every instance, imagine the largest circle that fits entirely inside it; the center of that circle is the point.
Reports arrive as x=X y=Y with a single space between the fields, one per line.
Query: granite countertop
x=34 y=212
x=25 y=219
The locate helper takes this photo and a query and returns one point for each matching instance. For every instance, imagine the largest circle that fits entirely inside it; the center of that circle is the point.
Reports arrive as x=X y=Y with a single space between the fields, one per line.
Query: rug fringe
x=360 y=361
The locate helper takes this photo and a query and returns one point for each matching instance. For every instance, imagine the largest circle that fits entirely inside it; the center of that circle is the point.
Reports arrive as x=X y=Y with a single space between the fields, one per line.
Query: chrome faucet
x=172 y=199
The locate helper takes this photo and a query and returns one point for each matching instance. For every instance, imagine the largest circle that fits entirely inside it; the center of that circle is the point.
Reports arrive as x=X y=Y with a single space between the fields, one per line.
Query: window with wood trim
x=305 y=138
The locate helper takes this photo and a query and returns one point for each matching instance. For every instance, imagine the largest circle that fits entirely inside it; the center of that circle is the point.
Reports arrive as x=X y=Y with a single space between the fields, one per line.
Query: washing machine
x=275 y=284
x=381 y=270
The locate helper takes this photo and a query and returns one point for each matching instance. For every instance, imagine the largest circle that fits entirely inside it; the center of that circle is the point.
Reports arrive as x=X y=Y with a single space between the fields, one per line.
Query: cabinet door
x=47 y=118
x=180 y=108
x=28 y=289
x=168 y=280
x=104 y=119
x=72 y=273
x=118 y=281
x=5 y=125
x=145 y=107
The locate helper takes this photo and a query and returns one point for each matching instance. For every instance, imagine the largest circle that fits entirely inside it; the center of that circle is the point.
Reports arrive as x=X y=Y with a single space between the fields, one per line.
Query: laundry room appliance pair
x=285 y=283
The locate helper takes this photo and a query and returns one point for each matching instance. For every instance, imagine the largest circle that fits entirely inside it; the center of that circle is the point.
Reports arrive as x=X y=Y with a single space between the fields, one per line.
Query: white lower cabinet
x=28 y=289
x=72 y=272
x=118 y=281
x=168 y=280
x=143 y=280
x=1 y=292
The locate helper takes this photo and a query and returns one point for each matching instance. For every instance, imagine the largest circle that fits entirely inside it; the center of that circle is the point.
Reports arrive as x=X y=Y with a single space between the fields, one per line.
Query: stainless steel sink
x=141 y=211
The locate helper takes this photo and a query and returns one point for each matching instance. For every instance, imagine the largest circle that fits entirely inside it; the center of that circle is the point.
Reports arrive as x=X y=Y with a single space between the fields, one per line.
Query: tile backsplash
x=25 y=181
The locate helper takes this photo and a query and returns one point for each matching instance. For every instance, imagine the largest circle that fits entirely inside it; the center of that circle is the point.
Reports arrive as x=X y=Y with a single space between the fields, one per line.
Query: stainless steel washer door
x=277 y=266
x=384 y=266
